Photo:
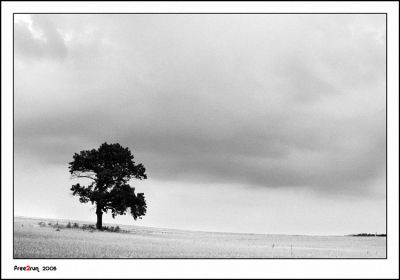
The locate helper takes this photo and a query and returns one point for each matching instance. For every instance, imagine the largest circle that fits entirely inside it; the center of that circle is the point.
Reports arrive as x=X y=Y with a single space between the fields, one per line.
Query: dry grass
x=34 y=240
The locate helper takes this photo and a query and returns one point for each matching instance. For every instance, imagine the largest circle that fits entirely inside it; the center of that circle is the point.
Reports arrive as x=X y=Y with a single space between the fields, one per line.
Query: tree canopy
x=109 y=169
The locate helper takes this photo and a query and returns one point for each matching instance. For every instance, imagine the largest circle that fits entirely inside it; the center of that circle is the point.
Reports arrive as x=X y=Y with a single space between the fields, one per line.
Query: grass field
x=32 y=240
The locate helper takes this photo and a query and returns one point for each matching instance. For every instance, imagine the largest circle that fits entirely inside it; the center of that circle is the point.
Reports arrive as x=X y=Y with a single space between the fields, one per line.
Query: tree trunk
x=99 y=224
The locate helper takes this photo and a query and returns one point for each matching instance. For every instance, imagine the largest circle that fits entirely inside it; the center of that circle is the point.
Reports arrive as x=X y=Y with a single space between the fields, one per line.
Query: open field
x=34 y=241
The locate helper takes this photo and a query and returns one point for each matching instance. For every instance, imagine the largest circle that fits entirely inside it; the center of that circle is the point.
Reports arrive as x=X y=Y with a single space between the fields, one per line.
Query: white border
x=203 y=268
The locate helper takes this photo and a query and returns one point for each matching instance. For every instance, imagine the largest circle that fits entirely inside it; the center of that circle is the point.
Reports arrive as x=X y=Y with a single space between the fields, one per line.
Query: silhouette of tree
x=109 y=168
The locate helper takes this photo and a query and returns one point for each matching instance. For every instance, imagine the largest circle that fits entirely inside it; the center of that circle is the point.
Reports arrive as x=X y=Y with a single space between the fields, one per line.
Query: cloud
x=40 y=39
x=260 y=100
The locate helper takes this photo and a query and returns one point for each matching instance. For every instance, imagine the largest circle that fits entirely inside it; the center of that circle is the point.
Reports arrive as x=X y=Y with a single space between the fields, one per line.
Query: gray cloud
x=263 y=100
x=48 y=42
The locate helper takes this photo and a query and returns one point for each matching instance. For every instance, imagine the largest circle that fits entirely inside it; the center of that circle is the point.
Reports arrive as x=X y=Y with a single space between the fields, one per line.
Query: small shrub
x=69 y=225
x=42 y=224
x=88 y=227
x=111 y=228
x=105 y=228
x=92 y=228
x=50 y=224
x=58 y=226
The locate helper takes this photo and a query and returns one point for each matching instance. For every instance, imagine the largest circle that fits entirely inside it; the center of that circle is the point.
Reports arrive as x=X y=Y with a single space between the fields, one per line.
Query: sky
x=261 y=123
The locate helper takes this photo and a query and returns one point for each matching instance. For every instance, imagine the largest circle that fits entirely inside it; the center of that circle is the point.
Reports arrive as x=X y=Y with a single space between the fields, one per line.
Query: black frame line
x=174 y=258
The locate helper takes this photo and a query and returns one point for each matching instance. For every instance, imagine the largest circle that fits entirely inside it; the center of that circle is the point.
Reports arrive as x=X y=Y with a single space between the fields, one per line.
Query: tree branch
x=82 y=175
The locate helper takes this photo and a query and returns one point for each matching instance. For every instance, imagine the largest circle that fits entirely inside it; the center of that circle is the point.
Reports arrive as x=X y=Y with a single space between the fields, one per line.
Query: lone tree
x=109 y=168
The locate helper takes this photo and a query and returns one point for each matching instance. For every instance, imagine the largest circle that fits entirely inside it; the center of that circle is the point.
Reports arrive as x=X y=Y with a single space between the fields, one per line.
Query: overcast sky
x=245 y=123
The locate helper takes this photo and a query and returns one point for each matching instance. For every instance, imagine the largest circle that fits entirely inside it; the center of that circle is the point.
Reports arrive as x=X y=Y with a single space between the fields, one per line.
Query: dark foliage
x=109 y=168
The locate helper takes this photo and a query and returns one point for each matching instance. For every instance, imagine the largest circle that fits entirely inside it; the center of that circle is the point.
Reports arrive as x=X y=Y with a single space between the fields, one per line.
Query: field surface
x=32 y=240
